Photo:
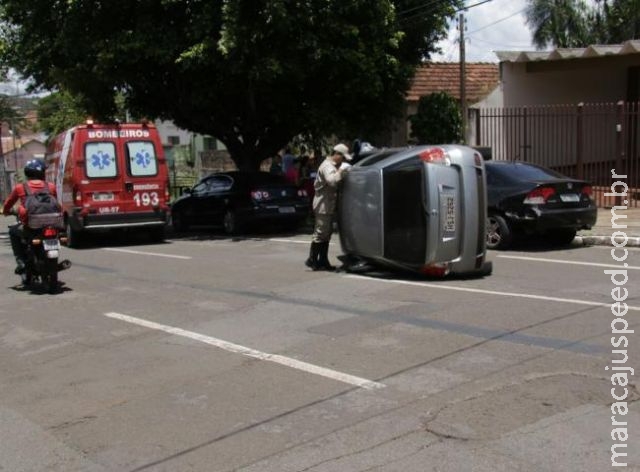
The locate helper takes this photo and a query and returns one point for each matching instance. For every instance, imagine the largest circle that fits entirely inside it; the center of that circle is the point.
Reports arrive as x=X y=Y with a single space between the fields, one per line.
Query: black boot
x=19 y=251
x=323 y=260
x=314 y=252
x=20 y=266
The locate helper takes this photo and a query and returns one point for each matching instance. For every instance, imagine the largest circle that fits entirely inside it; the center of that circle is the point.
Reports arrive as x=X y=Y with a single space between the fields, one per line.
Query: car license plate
x=570 y=197
x=103 y=197
x=450 y=215
x=287 y=210
x=51 y=245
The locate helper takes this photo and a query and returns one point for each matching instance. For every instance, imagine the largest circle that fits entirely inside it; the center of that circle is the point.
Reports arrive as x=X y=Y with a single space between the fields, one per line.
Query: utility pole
x=463 y=77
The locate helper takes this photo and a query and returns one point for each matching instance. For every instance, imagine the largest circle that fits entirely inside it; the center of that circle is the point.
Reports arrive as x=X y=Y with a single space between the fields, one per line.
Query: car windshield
x=523 y=172
x=265 y=178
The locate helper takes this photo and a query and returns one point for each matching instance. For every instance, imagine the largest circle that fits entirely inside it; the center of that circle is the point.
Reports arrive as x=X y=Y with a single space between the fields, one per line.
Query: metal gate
x=585 y=141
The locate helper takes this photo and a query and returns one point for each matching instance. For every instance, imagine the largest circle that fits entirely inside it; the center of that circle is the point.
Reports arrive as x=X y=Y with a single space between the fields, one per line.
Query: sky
x=498 y=25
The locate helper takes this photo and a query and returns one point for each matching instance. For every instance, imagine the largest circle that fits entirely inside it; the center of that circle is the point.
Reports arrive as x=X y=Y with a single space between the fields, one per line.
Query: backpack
x=42 y=208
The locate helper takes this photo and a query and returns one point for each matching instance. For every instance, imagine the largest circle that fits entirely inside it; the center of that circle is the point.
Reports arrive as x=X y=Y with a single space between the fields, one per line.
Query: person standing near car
x=325 y=185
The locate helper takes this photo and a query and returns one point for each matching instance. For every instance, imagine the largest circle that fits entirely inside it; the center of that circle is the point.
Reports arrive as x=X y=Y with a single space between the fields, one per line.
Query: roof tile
x=433 y=77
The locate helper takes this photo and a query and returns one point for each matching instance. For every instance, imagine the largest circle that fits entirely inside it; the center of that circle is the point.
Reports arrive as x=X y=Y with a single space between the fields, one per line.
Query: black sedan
x=238 y=200
x=526 y=199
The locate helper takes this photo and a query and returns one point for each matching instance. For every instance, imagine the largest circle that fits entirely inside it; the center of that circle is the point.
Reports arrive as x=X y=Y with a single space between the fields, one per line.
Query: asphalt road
x=216 y=354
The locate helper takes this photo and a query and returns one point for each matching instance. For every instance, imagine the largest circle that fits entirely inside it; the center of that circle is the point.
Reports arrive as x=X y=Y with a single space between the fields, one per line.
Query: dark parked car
x=526 y=199
x=239 y=200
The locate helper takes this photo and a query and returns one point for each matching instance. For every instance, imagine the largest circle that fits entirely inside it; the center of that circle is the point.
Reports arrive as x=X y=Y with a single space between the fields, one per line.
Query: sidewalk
x=601 y=233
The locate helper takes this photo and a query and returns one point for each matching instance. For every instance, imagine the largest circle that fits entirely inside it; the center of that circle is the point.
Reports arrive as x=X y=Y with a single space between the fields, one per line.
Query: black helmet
x=34 y=169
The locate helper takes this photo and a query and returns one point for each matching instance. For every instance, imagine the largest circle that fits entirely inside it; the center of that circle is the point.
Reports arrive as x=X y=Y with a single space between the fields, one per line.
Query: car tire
x=499 y=234
x=563 y=236
x=157 y=235
x=74 y=238
x=230 y=222
x=178 y=222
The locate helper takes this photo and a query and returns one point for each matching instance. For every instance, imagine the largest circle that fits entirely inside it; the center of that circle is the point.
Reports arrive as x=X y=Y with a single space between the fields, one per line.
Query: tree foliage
x=438 y=120
x=580 y=23
x=252 y=73
x=59 y=111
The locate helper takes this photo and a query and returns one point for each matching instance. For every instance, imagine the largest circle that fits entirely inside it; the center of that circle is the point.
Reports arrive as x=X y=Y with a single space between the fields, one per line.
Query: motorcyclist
x=34 y=172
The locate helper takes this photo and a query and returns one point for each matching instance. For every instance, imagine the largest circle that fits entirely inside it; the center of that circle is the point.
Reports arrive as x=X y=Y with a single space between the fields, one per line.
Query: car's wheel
x=499 y=234
x=230 y=222
x=178 y=222
x=562 y=236
x=157 y=235
x=74 y=238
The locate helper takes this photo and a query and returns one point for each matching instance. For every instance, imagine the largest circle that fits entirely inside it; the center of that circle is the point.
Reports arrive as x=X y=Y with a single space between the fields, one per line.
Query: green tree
x=438 y=120
x=252 y=73
x=59 y=111
x=578 y=23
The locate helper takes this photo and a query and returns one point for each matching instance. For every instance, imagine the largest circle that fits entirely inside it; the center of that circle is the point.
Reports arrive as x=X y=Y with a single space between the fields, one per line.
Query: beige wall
x=569 y=81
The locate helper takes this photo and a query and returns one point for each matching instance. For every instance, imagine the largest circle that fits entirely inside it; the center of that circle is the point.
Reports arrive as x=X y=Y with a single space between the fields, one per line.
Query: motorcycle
x=42 y=247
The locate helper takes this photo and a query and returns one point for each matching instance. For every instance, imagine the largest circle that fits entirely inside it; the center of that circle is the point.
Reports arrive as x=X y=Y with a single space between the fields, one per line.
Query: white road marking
x=561 y=261
x=279 y=240
x=142 y=253
x=490 y=292
x=275 y=240
x=246 y=351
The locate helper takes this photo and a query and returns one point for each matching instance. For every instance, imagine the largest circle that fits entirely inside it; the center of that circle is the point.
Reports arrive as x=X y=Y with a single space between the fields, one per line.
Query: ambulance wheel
x=73 y=236
x=499 y=234
x=157 y=235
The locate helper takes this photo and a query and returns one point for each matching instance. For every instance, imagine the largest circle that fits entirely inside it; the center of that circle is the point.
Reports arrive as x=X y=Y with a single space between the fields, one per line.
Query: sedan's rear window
x=523 y=172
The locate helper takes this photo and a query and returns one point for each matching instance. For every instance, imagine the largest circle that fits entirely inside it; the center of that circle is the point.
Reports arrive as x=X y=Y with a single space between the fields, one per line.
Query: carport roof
x=596 y=50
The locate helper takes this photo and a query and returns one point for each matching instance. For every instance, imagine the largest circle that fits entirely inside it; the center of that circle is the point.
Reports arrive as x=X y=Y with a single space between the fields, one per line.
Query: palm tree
x=578 y=23
x=559 y=23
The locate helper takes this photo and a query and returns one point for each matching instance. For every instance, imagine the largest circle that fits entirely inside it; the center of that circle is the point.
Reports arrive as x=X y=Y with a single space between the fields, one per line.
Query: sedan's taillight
x=587 y=190
x=259 y=195
x=439 y=269
x=539 y=196
x=434 y=155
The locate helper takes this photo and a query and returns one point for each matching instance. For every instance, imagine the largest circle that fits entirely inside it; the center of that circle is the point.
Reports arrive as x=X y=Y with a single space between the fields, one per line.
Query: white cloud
x=498 y=25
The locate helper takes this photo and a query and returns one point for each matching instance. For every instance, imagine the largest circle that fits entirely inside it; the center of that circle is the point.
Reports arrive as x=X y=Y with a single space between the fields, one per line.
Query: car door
x=219 y=190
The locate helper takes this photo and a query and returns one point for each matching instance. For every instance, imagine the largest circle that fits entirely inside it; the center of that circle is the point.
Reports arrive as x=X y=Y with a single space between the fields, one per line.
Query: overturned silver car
x=421 y=209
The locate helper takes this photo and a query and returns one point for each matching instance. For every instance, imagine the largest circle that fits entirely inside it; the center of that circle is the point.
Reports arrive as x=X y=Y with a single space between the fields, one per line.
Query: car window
x=265 y=178
x=200 y=188
x=523 y=172
x=142 y=158
x=100 y=158
x=220 y=183
x=494 y=178
x=371 y=160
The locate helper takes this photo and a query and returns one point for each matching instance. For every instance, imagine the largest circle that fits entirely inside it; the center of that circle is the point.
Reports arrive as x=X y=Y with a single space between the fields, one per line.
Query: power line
x=474 y=5
x=498 y=21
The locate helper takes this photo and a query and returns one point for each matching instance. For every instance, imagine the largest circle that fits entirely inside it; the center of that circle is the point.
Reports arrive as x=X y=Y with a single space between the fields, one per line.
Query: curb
x=632 y=241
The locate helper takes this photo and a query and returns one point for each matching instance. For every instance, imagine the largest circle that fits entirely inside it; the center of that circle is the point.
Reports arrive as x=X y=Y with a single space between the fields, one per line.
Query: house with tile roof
x=481 y=80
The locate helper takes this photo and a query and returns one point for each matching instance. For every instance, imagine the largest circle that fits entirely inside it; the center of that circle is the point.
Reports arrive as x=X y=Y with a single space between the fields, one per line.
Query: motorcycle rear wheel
x=50 y=276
